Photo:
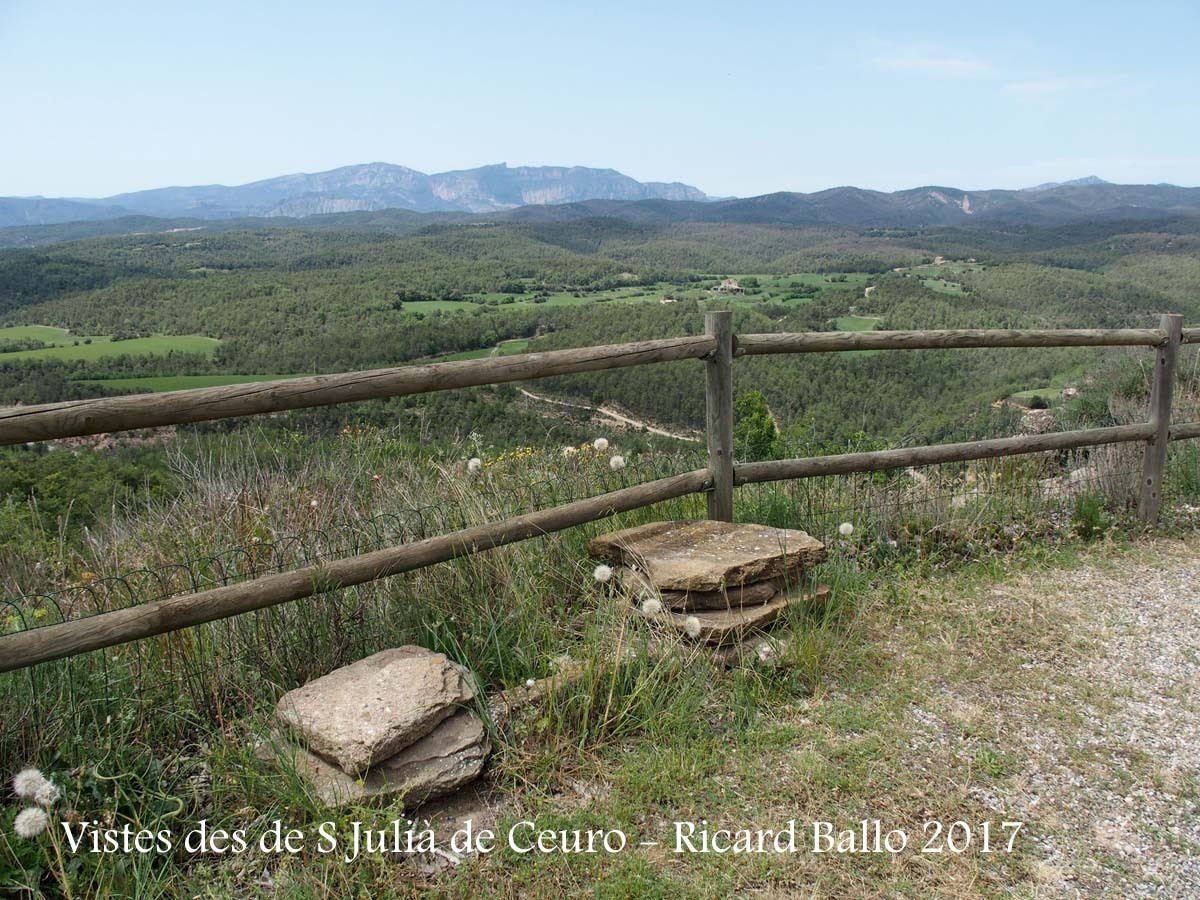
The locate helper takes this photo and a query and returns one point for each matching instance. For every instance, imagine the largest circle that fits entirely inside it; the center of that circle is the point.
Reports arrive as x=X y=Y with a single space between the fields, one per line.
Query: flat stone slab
x=755 y=594
x=721 y=627
x=366 y=712
x=709 y=556
x=449 y=757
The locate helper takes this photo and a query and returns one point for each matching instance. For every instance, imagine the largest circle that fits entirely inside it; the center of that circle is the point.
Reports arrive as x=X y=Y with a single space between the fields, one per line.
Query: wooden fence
x=718 y=348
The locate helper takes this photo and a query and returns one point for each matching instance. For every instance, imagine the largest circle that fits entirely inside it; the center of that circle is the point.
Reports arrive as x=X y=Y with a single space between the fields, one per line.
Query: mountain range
x=372 y=186
x=391 y=195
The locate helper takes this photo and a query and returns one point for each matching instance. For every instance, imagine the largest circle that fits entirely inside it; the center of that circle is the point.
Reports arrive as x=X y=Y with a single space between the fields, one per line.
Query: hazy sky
x=735 y=98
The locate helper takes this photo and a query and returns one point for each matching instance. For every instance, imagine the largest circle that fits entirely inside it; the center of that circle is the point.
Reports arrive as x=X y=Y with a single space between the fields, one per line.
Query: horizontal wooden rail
x=830 y=341
x=26 y=648
x=19 y=424
x=848 y=463
x=1191 y=335
x=1185 y=431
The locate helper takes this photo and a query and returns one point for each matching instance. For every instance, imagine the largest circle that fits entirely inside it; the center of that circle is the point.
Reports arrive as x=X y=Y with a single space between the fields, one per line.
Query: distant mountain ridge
x=368 y=187
x=921 y=207
x=1074 y=182
x=555 y=193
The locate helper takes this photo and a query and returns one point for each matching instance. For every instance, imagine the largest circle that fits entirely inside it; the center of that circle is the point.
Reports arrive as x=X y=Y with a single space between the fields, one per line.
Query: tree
x=754 y=434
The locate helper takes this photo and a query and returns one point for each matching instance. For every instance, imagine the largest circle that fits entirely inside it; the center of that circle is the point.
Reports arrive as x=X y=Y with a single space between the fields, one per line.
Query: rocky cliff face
x=367 y=187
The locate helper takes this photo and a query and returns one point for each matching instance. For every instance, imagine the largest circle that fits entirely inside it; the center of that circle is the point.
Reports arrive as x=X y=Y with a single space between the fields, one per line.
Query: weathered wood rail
x=718 y=347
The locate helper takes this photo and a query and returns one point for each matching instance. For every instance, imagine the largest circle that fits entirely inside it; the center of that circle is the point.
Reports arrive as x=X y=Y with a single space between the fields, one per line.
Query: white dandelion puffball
x=47 y=794
x=27 y=782
x=529 y=682
x=845 y=529
x=652 y=607
x=313 y=503
x=617 y=463
x=570 y=451
x=691 y=625
x=602 y=573
x=30 y=822
x=600 y=444
x=475 y=465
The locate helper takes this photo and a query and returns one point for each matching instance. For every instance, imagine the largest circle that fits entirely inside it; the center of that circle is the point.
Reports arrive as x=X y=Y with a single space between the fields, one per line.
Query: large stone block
x=366 y=712
x=450 y=756
x=709 y=556
x=640 y=586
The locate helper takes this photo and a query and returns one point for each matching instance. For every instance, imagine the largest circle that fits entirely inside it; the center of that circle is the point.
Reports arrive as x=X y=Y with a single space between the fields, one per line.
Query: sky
x=737 y=99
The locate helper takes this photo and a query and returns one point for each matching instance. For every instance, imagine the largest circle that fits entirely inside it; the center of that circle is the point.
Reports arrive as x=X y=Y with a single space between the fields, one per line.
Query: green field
x=69 y=346
x=858 y=323
x=182 y=382
x=47 y=334
x=771 y=288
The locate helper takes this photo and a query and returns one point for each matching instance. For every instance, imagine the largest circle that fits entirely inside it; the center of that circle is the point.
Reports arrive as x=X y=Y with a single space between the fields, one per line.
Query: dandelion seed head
x=314 y=503
x=475 y=465
x=569 y=451
x=617 y=463
x=26 y=782
x=529 y=682
x=602 y=573
x=691 y=626
x=845 y=529
x=47 y=794
x=30 y=822
x=600 y=444
x=651 y=606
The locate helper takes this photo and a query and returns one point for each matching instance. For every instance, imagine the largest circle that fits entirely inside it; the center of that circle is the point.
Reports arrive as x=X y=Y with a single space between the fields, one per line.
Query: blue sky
x=736 y=98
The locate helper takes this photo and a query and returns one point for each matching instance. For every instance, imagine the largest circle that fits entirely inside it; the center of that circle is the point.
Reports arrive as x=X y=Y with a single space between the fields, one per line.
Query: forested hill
x=276 y=301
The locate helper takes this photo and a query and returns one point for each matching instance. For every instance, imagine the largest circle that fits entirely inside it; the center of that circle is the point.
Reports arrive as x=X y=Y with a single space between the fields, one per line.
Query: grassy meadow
x=67 y=346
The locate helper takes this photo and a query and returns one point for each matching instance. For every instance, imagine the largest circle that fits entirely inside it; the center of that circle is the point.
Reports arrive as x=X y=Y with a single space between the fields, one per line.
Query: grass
x=73 y=347
x=47 y=334
x=858 y=323
x=161 y=733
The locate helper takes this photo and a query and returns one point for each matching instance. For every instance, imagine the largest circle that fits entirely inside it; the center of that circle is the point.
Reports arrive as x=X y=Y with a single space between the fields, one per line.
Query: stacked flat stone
x=396 y=723
x=730 y=580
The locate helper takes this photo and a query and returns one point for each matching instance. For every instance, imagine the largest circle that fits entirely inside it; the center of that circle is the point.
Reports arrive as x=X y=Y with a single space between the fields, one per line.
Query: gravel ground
x=1104 y=737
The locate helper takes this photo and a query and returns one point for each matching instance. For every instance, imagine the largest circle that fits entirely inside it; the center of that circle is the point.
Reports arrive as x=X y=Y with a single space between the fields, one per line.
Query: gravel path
x=1111 y=785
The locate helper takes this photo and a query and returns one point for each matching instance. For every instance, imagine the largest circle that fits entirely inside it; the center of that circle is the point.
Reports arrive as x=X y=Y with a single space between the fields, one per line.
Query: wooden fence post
x=1161 y=394
x=718 y=404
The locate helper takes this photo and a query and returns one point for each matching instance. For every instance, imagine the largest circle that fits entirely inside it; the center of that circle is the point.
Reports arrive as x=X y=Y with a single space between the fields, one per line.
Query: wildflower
x=601 y=444
x=651 y=606
x=313 y=503
x=47 y=794
x=529 y=682
x=617 y=463
x=26 y=782
x=569 y=451
x=845 y=529
x=691 y=626
x=376 y=477
x=30 y=822
x=475 y=465
x=602 y=573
